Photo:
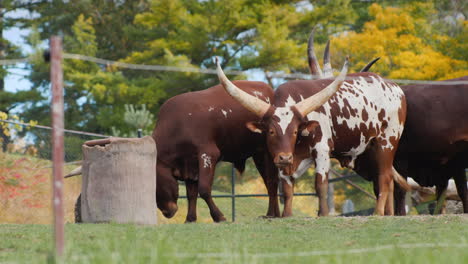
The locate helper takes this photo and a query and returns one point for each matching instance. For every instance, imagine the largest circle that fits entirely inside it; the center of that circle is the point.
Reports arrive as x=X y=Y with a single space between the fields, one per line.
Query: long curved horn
x=252 y=103
x=327 y=69
x=369 y=65
x=318 y=99
x=313 y=63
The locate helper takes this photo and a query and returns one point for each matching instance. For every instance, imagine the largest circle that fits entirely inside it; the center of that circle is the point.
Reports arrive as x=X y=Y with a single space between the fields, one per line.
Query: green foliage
x=416 y=40
x=136 y=119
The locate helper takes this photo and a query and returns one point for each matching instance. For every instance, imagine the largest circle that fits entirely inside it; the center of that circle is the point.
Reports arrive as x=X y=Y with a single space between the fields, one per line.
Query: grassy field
x=416 y=239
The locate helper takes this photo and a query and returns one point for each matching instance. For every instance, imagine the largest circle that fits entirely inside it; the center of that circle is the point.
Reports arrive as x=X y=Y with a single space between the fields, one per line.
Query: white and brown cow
x=311 y=121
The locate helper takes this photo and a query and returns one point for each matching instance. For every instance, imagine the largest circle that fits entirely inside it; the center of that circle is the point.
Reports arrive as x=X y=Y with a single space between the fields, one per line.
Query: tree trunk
x=119 y=181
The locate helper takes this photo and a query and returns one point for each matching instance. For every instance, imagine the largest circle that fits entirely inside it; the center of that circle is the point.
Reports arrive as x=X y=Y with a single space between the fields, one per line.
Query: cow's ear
x=256 y=127
x=308 y=127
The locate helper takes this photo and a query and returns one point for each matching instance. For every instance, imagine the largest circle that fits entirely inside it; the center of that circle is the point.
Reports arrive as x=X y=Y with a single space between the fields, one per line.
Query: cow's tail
x=400 y=180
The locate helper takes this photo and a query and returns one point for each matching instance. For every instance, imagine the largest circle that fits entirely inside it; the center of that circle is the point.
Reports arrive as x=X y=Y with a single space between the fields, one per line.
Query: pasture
x=414 y=239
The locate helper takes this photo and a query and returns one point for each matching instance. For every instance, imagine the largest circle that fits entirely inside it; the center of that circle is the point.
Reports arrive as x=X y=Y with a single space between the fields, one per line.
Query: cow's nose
x=285 y=158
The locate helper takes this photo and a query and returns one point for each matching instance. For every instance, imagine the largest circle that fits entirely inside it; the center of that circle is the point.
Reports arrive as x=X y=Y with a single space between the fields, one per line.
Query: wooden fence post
x=56 y=78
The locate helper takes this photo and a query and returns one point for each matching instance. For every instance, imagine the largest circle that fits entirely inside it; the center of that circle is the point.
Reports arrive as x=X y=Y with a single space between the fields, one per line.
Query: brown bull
x=197 y=130
x=434 y=145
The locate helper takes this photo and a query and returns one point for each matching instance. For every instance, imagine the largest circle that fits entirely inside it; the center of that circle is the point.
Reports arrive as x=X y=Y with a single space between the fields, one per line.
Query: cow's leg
x=192 y=195
x=321 y=188
x=322 y=167
x=460 y=181
x=288 y=194
x=389 y=206
x=206 y=165
x=269 y=173
x=384 y=188
x=384 y=162
x=400 y=200
x=398 y=192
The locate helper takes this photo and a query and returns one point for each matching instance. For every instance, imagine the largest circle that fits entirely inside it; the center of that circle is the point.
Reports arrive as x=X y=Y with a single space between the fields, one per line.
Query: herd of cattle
x=384 y=132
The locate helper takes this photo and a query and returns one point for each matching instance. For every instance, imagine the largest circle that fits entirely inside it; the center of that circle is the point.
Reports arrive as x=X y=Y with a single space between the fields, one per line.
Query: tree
x=10 y=100
x=394 y=35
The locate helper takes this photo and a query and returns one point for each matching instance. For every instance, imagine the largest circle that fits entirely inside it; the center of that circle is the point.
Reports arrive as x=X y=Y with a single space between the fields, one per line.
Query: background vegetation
x=418 y=40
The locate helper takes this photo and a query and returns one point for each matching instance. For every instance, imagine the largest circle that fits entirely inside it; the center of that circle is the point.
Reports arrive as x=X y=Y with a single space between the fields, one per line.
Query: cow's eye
x=272 y=132
x=295 y=132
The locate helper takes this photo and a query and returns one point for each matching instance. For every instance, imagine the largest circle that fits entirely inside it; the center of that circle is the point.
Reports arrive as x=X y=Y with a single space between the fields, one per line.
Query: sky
x=15 y=80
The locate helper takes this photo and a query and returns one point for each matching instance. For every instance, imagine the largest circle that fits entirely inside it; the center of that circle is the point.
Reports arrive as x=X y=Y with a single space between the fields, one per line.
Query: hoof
x=219 y=219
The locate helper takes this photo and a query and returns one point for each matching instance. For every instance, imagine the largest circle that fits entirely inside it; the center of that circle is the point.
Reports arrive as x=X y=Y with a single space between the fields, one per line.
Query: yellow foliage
x=404 y=55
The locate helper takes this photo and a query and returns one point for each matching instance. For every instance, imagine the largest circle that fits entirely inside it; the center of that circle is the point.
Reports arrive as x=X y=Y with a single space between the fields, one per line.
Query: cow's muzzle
x=170 y=211
x=283 y=159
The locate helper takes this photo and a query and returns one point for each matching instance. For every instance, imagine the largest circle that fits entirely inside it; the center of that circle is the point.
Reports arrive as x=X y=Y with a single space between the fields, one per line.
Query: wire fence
x=26 y=155
x=247 y=196
x=213 y=71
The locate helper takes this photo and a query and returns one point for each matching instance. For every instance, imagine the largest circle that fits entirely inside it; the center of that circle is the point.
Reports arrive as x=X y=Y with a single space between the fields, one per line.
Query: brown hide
x=206 y=127
x=434 y=145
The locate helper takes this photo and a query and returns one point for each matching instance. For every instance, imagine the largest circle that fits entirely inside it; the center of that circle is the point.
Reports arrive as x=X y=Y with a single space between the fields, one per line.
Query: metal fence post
x=56 y=78
x=330 y=198
x=233 y=193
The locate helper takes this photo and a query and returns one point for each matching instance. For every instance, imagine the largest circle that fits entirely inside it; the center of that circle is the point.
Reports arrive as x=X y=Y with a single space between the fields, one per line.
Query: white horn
x=252 y=103
x=318 y=99
x=327 y=69
x=314 y=66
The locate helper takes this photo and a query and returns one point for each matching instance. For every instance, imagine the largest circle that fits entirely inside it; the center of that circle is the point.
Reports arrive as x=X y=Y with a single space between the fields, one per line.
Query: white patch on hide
x=284 y=177
x=388 y=99
x=257 y=94
x=302 y=168
x=206 y=160
x=210 y=109
x=224 y=113
x=285 y=116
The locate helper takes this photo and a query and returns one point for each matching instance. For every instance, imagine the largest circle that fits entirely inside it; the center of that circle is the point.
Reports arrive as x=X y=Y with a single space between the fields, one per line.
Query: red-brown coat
x=197 y=130
x=434 y=145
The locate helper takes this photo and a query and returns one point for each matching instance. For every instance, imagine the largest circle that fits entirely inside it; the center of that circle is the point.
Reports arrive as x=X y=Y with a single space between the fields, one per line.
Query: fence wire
x=212 y=71
x=245 y=200
x=33 y=143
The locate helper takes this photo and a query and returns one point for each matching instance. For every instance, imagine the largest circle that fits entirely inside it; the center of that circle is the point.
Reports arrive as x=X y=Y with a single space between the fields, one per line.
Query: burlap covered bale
x=119 y=181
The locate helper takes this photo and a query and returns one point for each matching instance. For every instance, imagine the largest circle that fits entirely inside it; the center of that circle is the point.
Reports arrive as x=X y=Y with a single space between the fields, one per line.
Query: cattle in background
x=311 y=121
x=194 y=132
x=434 y=145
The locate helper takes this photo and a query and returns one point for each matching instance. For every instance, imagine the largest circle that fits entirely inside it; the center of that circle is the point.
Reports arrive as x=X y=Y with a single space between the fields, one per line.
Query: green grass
x=293 y=240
